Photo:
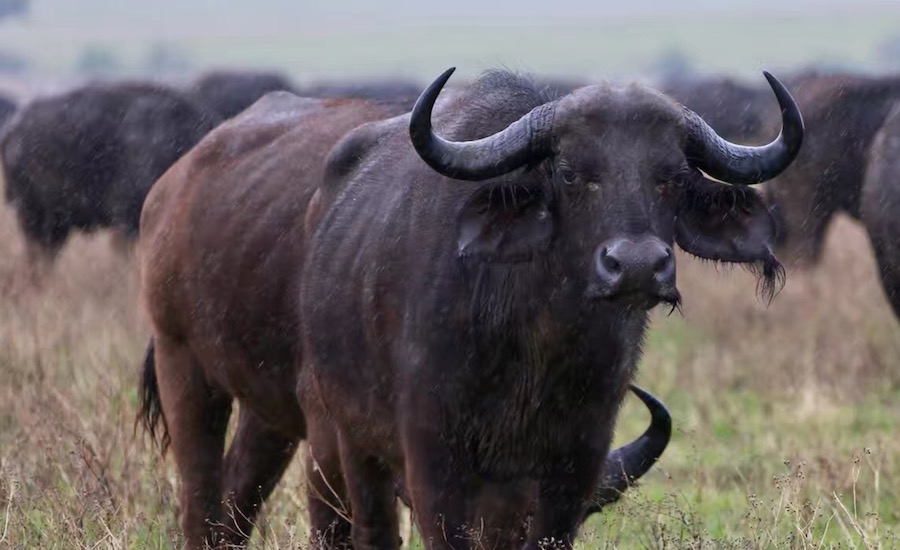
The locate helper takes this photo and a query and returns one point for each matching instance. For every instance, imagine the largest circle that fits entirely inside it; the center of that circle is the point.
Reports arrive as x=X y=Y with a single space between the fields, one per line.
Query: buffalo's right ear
x=505 y=223
x=727 y=223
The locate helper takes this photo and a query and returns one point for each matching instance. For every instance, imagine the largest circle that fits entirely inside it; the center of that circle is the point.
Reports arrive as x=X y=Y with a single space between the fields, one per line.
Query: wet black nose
x=638 y=265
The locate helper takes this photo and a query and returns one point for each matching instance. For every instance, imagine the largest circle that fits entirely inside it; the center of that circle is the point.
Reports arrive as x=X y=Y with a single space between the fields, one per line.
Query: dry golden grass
x=785 y=416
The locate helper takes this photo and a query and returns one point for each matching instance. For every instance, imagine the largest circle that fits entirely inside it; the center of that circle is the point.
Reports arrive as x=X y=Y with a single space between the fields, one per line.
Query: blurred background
x=48 y=40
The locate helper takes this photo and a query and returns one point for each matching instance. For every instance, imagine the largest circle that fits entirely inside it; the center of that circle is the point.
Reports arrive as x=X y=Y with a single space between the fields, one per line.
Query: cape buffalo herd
x=452 y=320
x=444 y=293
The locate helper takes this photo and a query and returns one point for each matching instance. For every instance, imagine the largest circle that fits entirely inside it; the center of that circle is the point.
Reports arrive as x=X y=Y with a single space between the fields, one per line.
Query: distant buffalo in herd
x=880 y=204
x=230 y=92
x=848 y=164
x=735 y=110
x=86 y=159
x=447 y=304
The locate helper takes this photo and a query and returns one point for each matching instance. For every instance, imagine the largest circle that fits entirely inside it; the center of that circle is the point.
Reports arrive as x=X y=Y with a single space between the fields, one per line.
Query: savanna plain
x=785 y=415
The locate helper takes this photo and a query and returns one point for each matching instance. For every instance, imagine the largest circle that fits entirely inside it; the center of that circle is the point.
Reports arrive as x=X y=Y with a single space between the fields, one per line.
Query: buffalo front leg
x=560 y=507
x=197 y=417
x=373 y=500
x=438 y=493
x=255 y=462
x=329 y=504
x=501 y=515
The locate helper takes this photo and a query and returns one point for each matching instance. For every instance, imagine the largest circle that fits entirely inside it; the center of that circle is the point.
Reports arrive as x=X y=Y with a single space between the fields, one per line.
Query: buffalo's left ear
x=724 y=222
x=505 y=223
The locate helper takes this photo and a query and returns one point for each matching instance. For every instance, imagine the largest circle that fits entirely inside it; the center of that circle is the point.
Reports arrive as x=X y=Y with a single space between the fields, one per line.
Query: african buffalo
x=86 y=159
x=230 y=92
x=880 y=202
x=843 y=113
x=473 y=305
x=223 y=239
x=734 y=110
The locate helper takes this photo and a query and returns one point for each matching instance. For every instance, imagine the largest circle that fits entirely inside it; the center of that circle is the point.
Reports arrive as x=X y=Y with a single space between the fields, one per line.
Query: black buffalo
x=473 y=305
x=880 y=203
x=86 y=159
x=230 y=92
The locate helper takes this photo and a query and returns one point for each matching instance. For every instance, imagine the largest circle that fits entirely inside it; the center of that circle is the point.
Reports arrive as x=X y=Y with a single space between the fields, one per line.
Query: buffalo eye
x=568 y=175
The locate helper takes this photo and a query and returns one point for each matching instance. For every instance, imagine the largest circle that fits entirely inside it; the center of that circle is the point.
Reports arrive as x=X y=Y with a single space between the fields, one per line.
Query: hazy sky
x=325 y=37
x=172 y=18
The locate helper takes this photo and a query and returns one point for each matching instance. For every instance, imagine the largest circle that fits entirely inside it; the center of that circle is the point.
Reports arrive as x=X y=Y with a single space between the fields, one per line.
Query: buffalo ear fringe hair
x=770 y=277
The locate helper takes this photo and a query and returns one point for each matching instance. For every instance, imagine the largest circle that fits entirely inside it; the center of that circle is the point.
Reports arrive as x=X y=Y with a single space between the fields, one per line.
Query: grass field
x=785 y=417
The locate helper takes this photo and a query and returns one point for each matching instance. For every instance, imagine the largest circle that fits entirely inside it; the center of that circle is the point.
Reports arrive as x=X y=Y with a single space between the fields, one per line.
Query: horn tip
x=773 y=81
x=658 y=409
x=445 y=76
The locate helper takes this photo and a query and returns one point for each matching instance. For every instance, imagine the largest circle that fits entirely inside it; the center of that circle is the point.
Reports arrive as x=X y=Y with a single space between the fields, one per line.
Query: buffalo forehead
x=620 y=123
x=628 y=106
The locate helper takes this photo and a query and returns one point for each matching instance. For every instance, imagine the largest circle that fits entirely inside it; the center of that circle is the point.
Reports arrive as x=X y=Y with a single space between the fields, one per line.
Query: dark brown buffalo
x=222 y=247
x=880 y=204
x=223 y=240
x=230 y=92
x=473 y=305
x=87 y=158
x=842 y=114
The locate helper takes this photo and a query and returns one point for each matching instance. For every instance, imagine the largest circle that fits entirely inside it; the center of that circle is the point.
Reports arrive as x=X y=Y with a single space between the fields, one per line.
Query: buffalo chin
x=635 y=299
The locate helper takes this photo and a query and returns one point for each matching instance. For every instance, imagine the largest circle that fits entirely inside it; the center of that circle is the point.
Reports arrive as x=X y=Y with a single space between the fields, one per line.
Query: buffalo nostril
x=664 y=262
x=610 y=262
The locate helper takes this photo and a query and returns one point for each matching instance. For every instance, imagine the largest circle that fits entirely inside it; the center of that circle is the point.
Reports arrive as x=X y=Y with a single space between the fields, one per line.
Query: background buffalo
x=880 y=204
x=736 y=110
x=846 y=117
x=843 y=113
x=86 y=159
x=230 y=92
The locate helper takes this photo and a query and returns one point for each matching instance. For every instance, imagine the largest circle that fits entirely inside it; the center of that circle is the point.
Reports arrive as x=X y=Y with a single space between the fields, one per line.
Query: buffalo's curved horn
x=741 y=164
x=627 y=463
x=525 y=140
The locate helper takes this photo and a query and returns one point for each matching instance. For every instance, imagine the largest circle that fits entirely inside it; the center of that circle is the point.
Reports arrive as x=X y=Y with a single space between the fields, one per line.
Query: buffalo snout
x=641 y=268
